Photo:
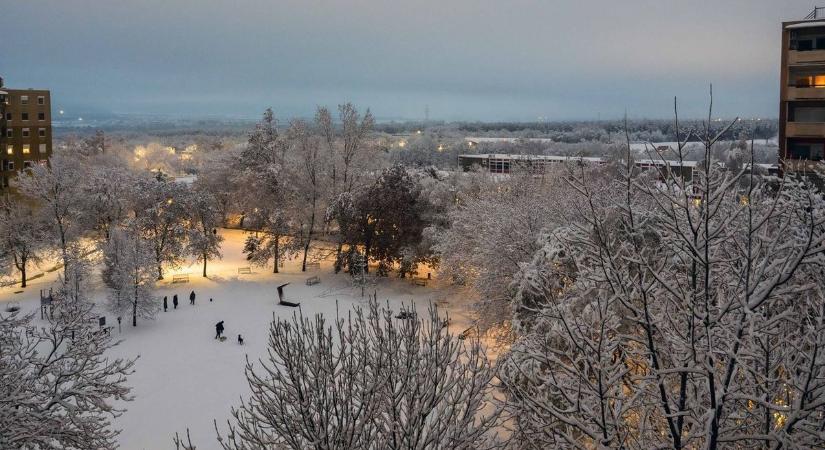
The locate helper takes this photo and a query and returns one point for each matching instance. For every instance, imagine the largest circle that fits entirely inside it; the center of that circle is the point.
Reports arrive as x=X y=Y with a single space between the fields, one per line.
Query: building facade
x=25 y=130
x=802 y=92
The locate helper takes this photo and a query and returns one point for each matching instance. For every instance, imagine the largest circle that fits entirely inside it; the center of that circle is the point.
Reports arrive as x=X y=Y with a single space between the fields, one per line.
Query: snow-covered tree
x=58 y=387
x=675 y=313
x=129 y=272
x=270 y=241
x=22 y=236
x=204 y=241
x=56 y=188
x=161 y=212
x=107 y=190
x=369 y=382
x=307 y=165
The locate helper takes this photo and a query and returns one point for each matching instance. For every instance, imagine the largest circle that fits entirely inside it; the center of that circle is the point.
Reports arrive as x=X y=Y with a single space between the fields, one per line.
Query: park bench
x=419 y=281
x=314 y=265
x=244 y=270
x=181 y=278
x=313 y=280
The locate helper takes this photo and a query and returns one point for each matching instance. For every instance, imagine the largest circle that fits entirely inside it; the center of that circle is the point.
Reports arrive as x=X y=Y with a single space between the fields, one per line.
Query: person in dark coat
x=192 y=298
x=218 y=329
x=175 y=301
x=165 y=304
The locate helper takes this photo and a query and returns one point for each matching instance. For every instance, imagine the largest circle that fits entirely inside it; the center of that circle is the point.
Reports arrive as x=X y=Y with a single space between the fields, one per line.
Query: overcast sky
x=465 y=59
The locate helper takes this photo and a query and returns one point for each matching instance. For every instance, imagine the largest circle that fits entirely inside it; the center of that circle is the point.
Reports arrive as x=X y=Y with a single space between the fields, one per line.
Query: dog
x=240 y=340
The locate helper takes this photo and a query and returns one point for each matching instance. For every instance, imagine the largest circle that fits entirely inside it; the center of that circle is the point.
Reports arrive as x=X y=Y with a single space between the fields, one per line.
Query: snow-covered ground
x=183 y=376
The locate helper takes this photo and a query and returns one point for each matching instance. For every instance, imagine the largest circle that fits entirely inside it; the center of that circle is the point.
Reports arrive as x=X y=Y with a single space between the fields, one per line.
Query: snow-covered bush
x=368 y=381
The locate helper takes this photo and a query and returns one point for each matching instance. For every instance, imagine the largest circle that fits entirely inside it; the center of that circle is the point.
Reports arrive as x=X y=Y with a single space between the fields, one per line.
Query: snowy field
x=184 y=377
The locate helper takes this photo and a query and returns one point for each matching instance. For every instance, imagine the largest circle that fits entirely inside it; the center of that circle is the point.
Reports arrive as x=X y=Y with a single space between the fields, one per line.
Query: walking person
x=165 y=303
x=192 y=298
x=218 y=329
x=175 y=301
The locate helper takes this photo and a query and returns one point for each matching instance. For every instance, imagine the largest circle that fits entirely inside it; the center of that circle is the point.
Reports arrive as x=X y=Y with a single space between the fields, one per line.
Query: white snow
x=186 y=378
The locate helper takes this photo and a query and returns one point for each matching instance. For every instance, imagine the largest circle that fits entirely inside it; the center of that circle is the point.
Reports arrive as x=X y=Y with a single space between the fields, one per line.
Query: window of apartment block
x=812 y=151
x=26 y=149
x=11 y=165
x=27 y=164
x=25 y=132
x=41 y=116
x=41 y=132
x=24 y=99
x=8 y=116
x=24 y=116
x=41 y=100
x=42 y=149
x=9 y=133
x=9 y=149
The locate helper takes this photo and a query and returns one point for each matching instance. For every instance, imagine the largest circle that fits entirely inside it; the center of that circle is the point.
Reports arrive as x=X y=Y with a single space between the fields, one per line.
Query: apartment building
x=802 y=92
x=25 y=130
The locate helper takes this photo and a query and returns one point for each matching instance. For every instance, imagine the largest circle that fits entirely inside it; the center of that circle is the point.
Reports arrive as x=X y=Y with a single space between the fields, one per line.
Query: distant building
x=25 y=130
x=802 y=92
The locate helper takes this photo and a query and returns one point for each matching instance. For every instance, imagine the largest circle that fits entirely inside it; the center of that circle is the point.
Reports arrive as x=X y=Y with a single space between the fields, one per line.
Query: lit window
x=41 y=116
x=25 y=132
x=41 y=148
x=41 y=100
x=24 y=99
x=26 y=149
x=9 y=149
x=41 y=132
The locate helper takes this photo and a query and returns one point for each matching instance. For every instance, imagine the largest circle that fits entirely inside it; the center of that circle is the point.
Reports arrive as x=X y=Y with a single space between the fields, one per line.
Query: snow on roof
x=4 y=93
x=593 y=159
x=811 y=24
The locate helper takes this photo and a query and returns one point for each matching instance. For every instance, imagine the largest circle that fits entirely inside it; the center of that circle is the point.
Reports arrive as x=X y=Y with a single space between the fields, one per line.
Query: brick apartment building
x=25 y=130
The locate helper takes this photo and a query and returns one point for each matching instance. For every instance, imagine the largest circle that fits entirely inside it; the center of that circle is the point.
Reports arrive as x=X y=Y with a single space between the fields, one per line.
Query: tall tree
x=204 y=242
x=56 y=188
x=161 y=211
x=307 y=166
x=129 y=273
x=22 y=236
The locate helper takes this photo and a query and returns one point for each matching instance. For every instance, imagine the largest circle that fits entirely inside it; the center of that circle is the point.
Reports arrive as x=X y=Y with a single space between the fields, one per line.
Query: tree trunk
x=23 y=273
x=309 y=237
x=204 y=265
x=277 y=253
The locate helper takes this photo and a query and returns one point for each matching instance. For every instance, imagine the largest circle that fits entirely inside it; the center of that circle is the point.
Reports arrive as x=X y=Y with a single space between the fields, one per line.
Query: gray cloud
x=466 y=59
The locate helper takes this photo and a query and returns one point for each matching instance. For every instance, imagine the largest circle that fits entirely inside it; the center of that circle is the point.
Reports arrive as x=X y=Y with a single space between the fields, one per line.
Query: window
x=41 y=100
x=812 y=151
x=24 y=116
x=27 y=164
x=11 y=165
x=41 y=116
x=24 y=99
x=41 y=149
x=41 y=132
x=26 y=149
x=25 y=132
x=8 y=116
x=9 y=133
x=9 y=149
x=806 y=112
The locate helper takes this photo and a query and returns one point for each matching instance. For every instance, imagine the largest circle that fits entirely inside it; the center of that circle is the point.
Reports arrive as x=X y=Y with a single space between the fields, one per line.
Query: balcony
x=806 y=93
x=806 y=57
x=805 y=129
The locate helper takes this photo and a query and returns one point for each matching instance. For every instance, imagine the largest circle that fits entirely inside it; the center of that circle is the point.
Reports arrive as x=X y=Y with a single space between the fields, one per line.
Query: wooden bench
x=405 y=315
x=244 y=271
x=182 y=278
x=314 y=265
x=313 y=280
x=419 y=281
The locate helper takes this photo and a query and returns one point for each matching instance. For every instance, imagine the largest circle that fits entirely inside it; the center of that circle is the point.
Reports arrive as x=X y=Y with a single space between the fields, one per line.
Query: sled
x=222 y=338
